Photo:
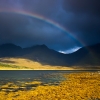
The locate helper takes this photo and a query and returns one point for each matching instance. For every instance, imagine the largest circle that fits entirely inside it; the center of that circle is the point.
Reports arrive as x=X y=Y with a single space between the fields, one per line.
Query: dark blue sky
x=80 y=19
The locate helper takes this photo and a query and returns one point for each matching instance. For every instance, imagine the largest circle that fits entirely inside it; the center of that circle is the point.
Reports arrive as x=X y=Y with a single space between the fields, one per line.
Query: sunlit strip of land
x=77 y=86
x=26 y=64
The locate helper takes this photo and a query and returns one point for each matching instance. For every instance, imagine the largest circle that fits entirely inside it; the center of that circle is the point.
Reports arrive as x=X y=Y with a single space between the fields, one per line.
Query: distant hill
x=8 y=50
x=86 y=56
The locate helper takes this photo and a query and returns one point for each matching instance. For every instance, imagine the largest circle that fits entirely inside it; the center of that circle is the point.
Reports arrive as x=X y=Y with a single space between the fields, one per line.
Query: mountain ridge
x=45 y=56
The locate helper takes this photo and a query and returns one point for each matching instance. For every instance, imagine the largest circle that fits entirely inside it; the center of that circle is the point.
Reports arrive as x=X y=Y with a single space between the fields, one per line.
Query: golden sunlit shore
x=26 y=64
x=77 y=86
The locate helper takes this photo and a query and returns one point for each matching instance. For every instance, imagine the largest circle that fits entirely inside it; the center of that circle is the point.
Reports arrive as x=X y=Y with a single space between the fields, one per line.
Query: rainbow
x=37 y=16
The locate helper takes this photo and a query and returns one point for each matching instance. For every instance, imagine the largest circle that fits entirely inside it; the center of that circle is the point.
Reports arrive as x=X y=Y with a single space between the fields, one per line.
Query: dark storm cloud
x=85 y=22
x=83 y=6
x=80 y=17
x=26 y=31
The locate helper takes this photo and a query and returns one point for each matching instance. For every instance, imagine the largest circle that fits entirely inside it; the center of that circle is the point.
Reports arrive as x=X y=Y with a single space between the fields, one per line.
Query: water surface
x=20 y=78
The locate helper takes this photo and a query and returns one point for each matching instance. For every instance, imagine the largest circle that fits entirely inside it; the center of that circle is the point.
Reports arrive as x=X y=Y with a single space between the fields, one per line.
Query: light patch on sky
x=70 y=50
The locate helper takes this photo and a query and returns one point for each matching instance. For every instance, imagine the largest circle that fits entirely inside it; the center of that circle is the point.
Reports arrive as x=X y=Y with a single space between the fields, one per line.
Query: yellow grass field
x=25 y=64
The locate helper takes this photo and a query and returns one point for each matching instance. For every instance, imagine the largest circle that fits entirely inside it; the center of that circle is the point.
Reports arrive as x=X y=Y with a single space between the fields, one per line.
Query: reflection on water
x=26 y=80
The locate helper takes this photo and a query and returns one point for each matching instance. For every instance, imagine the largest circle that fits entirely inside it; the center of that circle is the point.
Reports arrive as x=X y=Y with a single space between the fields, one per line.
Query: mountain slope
x=8 y=50
x=85 y=57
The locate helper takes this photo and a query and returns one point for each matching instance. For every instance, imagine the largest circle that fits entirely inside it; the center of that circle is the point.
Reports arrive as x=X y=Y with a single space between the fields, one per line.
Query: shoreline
x=77 y=86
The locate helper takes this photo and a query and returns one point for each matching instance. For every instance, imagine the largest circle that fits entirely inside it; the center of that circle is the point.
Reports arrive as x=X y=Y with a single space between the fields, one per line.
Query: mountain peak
x=43 y=46
x=9 y=45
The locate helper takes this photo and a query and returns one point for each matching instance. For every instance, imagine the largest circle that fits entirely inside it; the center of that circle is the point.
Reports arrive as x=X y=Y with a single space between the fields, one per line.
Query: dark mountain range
x=10 y=50
x=86 y=56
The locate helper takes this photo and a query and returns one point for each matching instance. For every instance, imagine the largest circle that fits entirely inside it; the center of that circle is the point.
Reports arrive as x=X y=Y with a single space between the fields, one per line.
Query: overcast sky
x=78 y=21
